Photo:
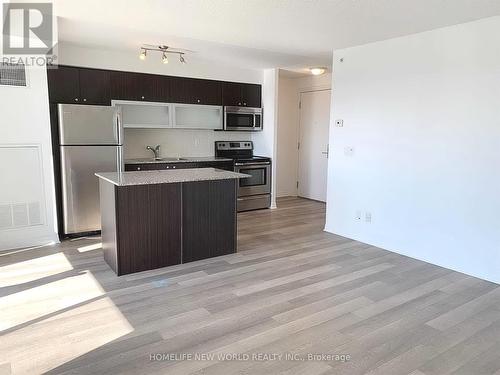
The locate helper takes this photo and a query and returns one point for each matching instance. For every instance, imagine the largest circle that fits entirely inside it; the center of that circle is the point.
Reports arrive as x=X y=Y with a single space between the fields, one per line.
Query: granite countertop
x=170 y=176
x=191 y=159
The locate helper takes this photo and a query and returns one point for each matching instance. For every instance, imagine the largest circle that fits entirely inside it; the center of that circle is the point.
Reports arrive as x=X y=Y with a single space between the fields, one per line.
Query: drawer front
x=155 y=166
x=254 y=202
x=226 y=165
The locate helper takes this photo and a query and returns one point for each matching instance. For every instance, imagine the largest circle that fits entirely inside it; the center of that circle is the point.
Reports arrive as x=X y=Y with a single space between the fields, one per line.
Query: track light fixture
x=164 y=51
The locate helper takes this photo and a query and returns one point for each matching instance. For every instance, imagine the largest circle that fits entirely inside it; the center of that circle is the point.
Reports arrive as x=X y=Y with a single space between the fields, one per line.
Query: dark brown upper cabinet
x=196 y=91
x=139 y=87
x=69 y=84
x=95 y=86
x=251 y=95
x=78 y=85
x=242 y=94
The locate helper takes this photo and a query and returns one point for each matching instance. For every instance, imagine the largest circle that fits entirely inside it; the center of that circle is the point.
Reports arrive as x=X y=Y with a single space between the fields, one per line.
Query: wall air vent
x=12 y=74
x=20 y=215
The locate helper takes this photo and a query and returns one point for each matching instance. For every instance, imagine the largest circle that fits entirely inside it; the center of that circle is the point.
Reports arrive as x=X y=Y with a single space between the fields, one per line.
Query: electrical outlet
x=358 y=214
x=349 y=151
x=339 y=123
x=368 y=217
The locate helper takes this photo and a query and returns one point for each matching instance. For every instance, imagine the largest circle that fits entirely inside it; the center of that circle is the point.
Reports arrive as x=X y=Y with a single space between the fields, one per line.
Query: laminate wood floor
x=326 y=304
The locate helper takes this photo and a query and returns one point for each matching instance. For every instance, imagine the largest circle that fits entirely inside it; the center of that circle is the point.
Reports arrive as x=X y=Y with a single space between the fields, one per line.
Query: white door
x=313 y=144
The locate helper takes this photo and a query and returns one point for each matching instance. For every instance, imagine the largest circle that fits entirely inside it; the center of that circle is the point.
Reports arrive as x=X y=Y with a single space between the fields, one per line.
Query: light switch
x=339 y=123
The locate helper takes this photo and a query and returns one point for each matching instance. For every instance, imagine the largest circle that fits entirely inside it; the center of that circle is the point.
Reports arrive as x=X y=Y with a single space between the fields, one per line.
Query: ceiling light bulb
x=142 y=56
x=164 y=58
x=317 y=71
x=182 y=60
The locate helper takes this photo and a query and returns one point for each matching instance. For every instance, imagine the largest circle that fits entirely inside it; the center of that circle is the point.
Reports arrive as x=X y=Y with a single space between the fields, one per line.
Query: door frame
x=304 y=91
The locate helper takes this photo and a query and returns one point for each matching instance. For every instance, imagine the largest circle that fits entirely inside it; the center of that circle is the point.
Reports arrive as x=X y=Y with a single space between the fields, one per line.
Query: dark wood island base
x=153 y=225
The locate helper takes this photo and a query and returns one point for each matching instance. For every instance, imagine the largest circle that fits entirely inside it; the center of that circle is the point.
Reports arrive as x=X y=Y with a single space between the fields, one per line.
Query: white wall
x=26 y=168
x=422 y=113
x=288 y=122
x=70 y=54
x=177 y=142
x=310 y=83
x=265 y=141
x=289 y=90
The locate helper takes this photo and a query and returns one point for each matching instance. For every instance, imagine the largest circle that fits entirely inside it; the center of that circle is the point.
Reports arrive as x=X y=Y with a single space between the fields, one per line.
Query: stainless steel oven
x=242 y=118
x=260 y=180
x=254 y=192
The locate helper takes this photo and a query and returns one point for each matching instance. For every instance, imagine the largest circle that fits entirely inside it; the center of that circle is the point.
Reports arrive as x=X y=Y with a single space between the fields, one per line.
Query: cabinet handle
x=84 y=100
x=244 y=103
x=138 y=168
x=142 y=97
x=173 y=167
x=239 y=103
x=76 y=99
x=198 y=100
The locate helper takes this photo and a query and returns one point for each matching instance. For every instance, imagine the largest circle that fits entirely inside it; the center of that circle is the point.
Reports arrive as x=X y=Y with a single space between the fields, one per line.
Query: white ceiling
x=258 y=33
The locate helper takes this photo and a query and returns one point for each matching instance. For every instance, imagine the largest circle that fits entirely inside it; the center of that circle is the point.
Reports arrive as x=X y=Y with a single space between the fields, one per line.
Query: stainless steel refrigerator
x=90 y=141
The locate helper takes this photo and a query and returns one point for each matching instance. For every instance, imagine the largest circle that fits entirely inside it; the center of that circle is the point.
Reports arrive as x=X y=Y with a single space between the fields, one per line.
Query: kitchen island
x=153 y=219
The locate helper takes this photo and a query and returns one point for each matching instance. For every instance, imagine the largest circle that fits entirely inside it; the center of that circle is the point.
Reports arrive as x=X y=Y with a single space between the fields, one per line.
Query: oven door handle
x=250 y=164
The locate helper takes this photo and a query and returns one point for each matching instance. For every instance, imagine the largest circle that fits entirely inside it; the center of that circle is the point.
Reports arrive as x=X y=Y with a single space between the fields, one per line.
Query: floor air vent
x=12 y=74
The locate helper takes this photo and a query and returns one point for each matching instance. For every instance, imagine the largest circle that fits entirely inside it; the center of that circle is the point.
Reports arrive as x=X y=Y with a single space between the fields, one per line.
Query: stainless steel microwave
x=242 y=118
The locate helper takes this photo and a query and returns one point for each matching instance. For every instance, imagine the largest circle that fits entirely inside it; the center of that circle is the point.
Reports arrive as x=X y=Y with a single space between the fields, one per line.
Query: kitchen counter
x=193 y=159
x=171 y=176
x=153 y=219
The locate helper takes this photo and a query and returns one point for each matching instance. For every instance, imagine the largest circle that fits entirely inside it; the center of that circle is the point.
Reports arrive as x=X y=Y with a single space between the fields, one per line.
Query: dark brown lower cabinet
x=208 y=229
x=141 y=226
x=151 y=226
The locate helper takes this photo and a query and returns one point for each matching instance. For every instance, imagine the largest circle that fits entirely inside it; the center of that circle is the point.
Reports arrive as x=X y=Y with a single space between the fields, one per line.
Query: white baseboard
x=26 y=238
x=495 y=278
x=286 y=194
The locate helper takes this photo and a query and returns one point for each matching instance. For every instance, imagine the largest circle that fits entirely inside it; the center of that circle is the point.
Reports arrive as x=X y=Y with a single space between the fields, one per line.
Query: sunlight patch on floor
x=69 y=335
x=37 y=302
x=33 y=269
x=94 y=246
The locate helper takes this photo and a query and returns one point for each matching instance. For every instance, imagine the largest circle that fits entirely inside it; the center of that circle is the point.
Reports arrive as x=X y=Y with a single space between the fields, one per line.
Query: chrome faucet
x=155 y=150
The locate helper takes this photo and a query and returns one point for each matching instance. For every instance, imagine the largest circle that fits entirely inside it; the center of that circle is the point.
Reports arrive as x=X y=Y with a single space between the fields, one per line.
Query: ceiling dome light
x=142 y=56
x=317 y=71
x=164 y=58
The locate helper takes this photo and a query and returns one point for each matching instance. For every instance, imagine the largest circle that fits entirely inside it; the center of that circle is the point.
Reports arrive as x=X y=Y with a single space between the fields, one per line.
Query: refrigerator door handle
x=119 y=129
x=119 y=159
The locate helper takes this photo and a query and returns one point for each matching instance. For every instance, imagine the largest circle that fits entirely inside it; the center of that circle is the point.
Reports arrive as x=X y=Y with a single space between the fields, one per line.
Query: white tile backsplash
x=177 y=142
